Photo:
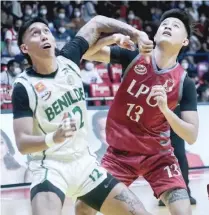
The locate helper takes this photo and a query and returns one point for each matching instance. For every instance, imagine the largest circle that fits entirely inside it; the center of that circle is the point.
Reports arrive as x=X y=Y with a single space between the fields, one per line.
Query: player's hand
x=124 y=41
x=145 y=45
x=66 y=130
x=159 y=94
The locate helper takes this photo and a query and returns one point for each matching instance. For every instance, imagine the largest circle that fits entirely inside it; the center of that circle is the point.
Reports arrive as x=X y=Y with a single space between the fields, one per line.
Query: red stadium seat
x=103 y=72
x=114 y=88
x=116 y=72
x=100 y=90
x=5 y=96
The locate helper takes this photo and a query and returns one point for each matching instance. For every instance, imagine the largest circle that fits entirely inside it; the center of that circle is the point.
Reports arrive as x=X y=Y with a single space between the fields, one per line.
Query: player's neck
x=46 y=66
x=165 y=58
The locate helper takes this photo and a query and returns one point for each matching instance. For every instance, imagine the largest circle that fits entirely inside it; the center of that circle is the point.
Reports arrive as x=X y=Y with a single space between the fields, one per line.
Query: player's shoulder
x=188 y=82
x=66 y=62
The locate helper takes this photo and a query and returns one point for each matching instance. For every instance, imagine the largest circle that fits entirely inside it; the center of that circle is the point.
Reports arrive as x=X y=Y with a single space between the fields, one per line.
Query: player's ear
x=185 y=42
x=24 y=48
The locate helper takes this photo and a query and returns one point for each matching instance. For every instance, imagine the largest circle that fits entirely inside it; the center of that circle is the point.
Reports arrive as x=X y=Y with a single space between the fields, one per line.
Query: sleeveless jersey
x=135 y=122
x=52 y=100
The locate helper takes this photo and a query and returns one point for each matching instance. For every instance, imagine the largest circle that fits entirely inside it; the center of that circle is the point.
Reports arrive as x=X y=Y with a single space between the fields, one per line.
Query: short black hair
x=24 y=28
x=26 y=25
x=181 y=15
x=11 y=63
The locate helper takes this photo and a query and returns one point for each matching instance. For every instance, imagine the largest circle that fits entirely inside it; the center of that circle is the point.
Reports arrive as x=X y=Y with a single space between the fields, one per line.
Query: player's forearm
x=183 y=129
x=106 y=41
x=29 y=144
x=101 y=24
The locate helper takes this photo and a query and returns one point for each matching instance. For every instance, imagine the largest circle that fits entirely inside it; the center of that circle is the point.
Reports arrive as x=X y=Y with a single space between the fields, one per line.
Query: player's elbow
x=192 y=139
x=98 y=22
x=99 y=18
x=21 y=146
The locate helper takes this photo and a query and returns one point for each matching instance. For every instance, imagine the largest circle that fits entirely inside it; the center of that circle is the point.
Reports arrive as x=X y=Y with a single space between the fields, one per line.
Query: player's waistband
x=129 y=153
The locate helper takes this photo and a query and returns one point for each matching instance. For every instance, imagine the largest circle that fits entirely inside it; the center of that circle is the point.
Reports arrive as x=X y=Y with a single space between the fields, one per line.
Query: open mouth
x=46 y=46
x=167 y=33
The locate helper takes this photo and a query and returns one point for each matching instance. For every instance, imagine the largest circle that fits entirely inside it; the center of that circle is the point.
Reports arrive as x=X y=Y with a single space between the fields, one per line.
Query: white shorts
x=74 y=178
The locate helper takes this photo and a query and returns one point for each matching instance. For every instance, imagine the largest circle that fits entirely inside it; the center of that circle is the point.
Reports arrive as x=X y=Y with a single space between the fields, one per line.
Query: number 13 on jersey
x=134 y=112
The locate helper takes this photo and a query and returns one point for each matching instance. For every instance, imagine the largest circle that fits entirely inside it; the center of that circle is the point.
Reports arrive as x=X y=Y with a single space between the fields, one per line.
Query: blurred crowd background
x=101 y=81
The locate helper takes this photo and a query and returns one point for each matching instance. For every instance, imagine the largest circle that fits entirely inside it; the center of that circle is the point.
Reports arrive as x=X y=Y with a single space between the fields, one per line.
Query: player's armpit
x=103 y=55
x=192 y=118
x=26 y=142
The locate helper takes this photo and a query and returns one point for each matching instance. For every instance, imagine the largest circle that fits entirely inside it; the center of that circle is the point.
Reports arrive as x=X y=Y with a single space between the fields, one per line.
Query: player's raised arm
x=101 y=24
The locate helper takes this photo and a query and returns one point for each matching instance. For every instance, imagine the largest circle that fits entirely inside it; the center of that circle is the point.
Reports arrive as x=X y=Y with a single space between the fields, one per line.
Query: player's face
x=38 y=41
x=171 y=32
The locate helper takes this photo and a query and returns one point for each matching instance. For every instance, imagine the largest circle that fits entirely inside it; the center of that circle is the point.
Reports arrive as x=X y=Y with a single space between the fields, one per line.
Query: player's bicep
x=103 y=55
x=22 y=126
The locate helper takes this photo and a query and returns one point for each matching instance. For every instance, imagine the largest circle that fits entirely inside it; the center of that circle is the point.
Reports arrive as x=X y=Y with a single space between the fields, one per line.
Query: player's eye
x=176 y=26
x=35 y=33
x=46 y=30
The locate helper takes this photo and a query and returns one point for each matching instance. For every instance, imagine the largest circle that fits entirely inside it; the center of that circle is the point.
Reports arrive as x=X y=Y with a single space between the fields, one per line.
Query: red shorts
x=161 y=171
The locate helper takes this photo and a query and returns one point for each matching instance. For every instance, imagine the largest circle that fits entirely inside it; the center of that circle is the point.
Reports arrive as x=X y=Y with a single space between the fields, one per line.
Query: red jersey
x=135 y=122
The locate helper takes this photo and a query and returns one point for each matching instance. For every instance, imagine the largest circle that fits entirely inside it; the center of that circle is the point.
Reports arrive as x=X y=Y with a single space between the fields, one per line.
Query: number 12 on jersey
x=134 y=112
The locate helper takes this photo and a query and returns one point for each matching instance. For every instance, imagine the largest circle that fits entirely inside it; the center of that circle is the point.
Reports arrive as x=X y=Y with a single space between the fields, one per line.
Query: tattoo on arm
x=101 y=24
x=130 y=199
x=175 y=195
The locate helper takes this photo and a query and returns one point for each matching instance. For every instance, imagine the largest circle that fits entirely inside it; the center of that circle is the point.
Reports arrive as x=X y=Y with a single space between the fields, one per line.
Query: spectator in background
x=43 y=11
x=16 y=9
x=28 y=12
x=6 y=16
x=201 y=26
x=13 y=69
x=156 y=14
x=194 y=47
x=11 y=39
x=68 y=7
x=193 y=13
x=77 y=21
x=88 y=11
x=61 y=18
x=89 y=75
x=203 y=8
x=62 y=35
x=24 y=64
x=202 y=68
x=187 y=65
x=203 y=93
x=133 y=20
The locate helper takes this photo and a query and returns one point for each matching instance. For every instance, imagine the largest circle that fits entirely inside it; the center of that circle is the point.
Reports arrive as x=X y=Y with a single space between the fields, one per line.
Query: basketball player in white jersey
x=50 y=122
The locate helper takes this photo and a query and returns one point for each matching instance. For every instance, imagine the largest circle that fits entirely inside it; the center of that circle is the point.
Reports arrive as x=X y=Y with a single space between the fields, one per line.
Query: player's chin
x=49 y=52
x=165 y=41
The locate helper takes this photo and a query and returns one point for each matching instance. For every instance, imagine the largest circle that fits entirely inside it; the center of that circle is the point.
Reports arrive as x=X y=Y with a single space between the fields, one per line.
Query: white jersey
x=52 y=100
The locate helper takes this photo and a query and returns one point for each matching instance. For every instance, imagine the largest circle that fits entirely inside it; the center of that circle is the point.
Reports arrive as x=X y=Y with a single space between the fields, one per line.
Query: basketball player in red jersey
x=139 y=120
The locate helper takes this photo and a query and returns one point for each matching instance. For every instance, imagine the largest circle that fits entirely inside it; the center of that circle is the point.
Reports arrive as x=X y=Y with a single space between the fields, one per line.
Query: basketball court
x=16 y=201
